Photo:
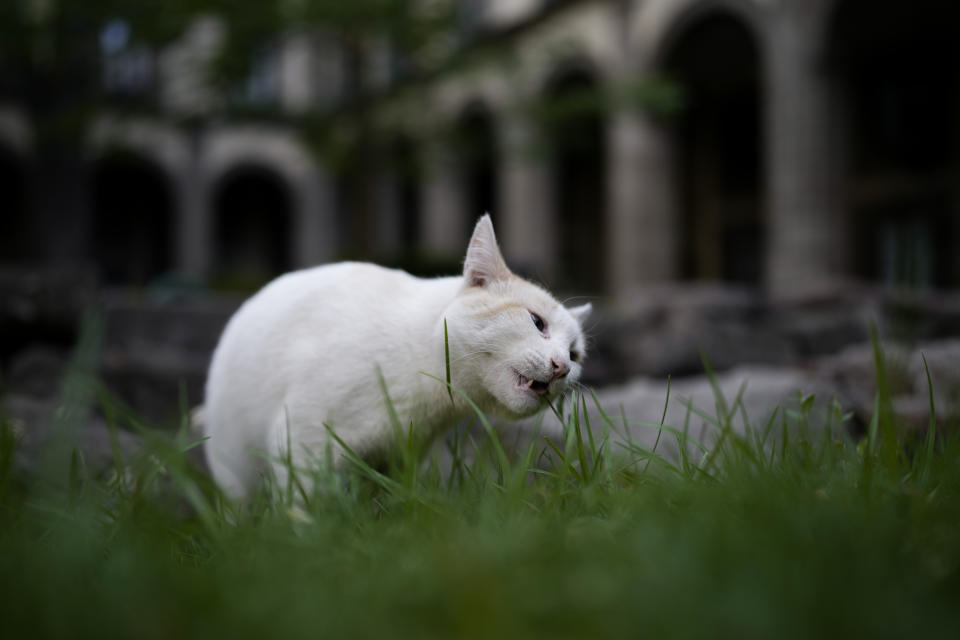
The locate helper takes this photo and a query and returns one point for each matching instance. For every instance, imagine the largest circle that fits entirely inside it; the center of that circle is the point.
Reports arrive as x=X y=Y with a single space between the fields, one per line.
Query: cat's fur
x=305 y=352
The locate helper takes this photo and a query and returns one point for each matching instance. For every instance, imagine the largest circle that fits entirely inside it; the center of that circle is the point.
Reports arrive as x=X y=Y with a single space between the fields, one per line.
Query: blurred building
x=810 y=141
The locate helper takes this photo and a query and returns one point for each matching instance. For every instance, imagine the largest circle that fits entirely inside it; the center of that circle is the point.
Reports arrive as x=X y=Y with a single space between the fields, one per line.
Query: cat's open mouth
x=534 y=386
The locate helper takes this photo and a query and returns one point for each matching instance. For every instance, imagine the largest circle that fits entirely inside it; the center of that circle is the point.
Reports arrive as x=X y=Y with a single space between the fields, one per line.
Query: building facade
x=785 y=144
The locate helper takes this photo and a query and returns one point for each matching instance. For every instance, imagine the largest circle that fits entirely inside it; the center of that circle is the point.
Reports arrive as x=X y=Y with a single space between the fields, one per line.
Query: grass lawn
x=758 y=536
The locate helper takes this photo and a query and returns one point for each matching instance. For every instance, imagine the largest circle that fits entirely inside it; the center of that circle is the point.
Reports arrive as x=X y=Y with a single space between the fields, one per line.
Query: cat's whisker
x=469 y=355
x=572 y=298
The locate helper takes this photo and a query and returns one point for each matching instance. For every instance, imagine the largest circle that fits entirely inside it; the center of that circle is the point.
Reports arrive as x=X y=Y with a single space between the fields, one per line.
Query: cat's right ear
x=581 y=313
x=484 y=262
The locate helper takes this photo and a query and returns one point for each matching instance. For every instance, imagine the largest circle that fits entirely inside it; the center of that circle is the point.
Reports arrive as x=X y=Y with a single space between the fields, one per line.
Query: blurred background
x=751 y=179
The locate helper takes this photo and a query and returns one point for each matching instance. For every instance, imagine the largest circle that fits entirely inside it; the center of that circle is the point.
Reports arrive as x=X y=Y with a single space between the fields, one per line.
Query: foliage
x=769 y=531
x=50 y=50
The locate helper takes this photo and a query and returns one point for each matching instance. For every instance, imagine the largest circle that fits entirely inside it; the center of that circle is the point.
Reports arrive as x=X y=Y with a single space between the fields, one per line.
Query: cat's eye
x=538 y=322
x=574 y=355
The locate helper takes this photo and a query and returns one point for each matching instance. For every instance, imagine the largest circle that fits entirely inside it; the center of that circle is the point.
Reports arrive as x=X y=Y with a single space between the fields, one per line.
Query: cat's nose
x=560 y=369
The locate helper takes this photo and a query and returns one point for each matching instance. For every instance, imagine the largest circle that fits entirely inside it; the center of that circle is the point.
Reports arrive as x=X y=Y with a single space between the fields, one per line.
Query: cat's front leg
x=306 y=456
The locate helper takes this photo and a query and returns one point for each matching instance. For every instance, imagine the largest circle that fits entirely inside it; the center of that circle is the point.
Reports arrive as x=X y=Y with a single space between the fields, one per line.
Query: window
x=128 y=68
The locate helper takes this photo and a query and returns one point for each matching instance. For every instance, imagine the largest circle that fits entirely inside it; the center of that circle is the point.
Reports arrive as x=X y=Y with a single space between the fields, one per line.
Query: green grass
x=763 y=533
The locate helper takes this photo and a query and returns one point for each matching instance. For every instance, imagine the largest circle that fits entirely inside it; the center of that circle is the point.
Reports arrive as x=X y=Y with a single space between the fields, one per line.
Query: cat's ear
x=484 y=262
x=581 y=313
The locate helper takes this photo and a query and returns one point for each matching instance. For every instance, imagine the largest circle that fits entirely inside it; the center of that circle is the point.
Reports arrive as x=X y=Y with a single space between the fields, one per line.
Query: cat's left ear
x=484 y=262
x=581 y=313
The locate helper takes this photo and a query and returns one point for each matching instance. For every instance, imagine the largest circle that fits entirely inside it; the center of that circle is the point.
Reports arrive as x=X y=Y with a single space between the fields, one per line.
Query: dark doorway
x=898 y=65
x=14 y=240
x=132 y=219
x=574 y=125
x=477 y=149
x=253 y=218
x=406 y=165
x=718 y=136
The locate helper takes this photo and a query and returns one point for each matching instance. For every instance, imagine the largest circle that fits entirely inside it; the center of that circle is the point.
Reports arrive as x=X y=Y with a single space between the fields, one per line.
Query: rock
x=33 y=421
x=663 y=330
x=943 y=363
x=35 y=371
x=748 y=395
x=42 y=307
x=45 y=297
x=667 y=330
x=156 y=352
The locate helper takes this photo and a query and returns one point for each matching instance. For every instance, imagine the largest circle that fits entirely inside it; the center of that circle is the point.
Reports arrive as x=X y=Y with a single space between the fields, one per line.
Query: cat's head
x=509 y=338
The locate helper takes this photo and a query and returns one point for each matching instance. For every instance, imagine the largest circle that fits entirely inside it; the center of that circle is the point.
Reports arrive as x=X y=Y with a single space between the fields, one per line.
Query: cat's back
x=323 y=288
x=327 y=312
x=341 y=284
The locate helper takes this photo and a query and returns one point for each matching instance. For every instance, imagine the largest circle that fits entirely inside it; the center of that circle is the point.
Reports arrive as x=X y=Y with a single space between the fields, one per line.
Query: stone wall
x=665 y=330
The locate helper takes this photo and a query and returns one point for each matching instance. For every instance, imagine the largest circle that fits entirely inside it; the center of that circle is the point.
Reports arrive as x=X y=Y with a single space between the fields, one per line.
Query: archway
x=718 y=141
x=898 y=67
x=406 y=167
x=574 y=126
x=14 y=240
x=477 y=150
x=252 y=227
x=132 y=213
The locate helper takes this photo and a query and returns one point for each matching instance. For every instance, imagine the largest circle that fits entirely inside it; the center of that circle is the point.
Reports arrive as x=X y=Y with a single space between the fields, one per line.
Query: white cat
x=306 y=351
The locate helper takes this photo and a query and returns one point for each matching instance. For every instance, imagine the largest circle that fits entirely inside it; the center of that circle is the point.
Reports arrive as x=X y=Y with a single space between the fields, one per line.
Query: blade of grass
x=491 y=432
x=446 y=359
x=663 y=419
x=930 y=439
x=888 y=447
x=381 y=479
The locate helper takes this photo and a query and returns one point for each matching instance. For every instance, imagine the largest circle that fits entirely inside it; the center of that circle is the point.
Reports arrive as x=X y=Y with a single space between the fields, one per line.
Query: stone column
x=388 y=221
x=445 y=225
x=296 y=73
x=527 y=216
x=643 y=209
x=315 y=223
x=194 y=240
x=807 y=224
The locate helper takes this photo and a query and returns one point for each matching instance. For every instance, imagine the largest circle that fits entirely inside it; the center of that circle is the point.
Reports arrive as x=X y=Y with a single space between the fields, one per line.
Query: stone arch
x=573 y=124
x=578 y=64
x=405 y=160
x=475 y=141
x=715 y=56
x=897 y=67
x=659 y=24
x=170 y=149
x=132 y=217
x=252 y=215
x=14 y=227
x=306 y=184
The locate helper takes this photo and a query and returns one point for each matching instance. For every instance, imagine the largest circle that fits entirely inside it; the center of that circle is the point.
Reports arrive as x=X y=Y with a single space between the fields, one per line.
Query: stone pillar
x=315 y=223
x=296 y=73
x=194 y=242
x=643 y=209
x=445 y=226
x=807 y=224
x=528 y=233
x=387 y=216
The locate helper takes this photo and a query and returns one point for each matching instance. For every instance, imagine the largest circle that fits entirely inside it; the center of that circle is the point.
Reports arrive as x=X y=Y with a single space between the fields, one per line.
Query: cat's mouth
x=533 y=386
